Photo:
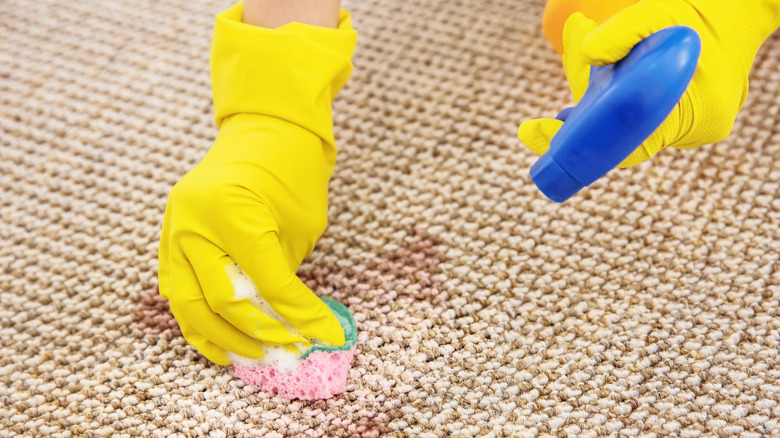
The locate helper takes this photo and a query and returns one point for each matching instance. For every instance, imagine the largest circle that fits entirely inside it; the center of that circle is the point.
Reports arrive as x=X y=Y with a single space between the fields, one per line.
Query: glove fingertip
x=536 y=134
x=330 y=330
x=210 y=350
x=573 y=22
x=219 y=359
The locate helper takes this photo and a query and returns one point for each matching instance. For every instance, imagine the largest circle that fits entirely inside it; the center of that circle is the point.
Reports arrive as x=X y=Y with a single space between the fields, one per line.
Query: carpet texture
x=645 y=306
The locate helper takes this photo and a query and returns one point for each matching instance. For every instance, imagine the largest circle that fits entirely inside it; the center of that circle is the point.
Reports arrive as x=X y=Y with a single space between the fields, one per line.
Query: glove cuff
x=292 y=72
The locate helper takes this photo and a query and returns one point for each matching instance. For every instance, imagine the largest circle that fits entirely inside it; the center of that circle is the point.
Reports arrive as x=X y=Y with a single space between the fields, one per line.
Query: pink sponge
x=321 y=372
x=320 y=375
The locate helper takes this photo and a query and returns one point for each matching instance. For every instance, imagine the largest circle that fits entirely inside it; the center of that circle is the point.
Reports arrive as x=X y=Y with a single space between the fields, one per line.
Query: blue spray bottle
x=624 y=104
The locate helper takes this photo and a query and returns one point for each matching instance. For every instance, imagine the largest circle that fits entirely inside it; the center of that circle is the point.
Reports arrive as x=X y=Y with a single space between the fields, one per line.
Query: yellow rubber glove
x=731 y=31
x=259 y=197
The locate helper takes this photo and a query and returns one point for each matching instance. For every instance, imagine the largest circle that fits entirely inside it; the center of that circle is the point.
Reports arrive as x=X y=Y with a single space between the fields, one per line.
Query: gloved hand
x=259 y=197
x=731 y=33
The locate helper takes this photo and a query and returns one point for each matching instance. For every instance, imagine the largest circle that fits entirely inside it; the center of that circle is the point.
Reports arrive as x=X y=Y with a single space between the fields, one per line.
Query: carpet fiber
x=645 y=306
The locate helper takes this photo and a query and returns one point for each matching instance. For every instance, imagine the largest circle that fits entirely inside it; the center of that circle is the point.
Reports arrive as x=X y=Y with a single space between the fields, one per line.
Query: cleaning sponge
x=320 y=372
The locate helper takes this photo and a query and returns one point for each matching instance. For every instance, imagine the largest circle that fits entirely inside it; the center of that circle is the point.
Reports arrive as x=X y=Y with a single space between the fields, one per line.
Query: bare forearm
x=275 y=13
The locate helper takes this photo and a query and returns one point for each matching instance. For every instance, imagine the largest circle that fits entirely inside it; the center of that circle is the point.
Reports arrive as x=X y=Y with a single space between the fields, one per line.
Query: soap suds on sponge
x=277 y=357
x=244 y=288
x=319 y=372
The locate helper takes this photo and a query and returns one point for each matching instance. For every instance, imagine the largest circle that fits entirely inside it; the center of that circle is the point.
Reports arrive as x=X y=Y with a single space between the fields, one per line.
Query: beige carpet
x=646 y=306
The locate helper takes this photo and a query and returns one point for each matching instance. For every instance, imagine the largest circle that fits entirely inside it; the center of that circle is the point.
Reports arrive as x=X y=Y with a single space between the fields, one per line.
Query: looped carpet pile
x=645 y=306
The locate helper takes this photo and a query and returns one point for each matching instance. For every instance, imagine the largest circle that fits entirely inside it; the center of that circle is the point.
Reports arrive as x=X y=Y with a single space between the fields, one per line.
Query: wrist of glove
x=257 y=203
x=731 y=33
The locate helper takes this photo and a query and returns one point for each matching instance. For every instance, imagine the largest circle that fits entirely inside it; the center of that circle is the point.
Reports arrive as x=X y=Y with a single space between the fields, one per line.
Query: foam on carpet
x=645 y=306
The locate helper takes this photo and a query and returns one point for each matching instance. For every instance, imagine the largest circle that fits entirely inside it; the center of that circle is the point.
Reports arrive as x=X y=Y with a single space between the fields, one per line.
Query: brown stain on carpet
x=410 y=272
x=152 y=316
